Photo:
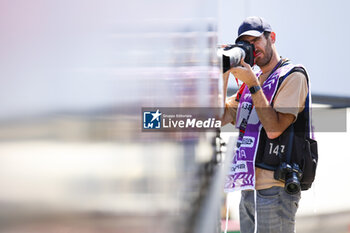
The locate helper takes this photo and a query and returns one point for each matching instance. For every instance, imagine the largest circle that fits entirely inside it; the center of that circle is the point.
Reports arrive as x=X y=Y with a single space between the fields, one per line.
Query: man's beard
x=267 y=56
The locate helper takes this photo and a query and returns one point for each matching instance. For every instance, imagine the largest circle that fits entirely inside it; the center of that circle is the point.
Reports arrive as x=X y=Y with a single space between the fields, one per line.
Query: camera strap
x=290 y=144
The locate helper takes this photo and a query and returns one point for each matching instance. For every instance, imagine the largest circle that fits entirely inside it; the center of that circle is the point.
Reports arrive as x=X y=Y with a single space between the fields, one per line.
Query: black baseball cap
x=253 y=26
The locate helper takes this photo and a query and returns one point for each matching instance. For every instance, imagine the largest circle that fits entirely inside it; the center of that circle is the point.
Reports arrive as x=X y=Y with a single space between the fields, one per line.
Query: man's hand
x=245 y=74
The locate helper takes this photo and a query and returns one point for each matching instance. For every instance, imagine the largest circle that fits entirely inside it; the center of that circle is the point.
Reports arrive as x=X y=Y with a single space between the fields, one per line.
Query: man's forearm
x=273 y=122
x=267 y=115
x=228 y=115
x=225 y=77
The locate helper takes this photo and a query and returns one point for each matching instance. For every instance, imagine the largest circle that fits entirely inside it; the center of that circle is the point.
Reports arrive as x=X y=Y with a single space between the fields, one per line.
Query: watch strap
x=254 y=89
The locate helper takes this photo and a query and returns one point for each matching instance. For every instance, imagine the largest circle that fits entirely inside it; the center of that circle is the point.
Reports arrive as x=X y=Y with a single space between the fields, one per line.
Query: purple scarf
x=242 y=170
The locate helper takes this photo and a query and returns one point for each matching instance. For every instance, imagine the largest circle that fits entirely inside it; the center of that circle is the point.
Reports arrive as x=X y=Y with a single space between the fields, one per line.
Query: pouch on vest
x=305 y=154
x=272 y=152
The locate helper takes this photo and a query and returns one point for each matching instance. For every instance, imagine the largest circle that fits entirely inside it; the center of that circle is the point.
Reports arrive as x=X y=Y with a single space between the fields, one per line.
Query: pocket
x=270 y=192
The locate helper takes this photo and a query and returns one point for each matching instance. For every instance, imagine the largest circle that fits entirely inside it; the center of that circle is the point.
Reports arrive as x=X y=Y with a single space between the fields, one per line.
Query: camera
x=232 y=55
x=291 y=175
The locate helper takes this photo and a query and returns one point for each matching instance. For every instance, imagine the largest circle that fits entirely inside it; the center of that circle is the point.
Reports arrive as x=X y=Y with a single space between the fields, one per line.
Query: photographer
x=267 y=103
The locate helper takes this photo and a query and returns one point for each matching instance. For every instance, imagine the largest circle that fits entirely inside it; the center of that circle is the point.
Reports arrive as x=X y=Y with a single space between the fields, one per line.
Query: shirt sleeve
x=290 y=97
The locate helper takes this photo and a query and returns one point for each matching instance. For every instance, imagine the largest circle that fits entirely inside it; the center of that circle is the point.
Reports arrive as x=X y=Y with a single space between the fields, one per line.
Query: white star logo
x=156 y=115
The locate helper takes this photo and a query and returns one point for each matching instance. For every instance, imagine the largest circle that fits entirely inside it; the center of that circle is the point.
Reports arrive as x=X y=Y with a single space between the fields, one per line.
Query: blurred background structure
x=74 y=77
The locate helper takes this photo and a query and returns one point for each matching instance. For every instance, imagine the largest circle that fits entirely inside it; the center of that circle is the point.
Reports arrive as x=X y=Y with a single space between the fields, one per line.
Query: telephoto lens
x=233 y=54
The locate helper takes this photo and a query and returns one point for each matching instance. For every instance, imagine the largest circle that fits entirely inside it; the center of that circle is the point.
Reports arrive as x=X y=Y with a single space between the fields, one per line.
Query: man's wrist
x=254 y=89
x=252 y=84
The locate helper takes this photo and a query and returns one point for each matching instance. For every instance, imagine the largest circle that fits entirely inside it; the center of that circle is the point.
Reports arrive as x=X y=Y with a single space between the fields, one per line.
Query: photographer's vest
x=242 y=170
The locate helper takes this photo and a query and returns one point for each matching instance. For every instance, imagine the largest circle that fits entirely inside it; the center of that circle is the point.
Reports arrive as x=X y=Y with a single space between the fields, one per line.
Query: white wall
x=313 y=33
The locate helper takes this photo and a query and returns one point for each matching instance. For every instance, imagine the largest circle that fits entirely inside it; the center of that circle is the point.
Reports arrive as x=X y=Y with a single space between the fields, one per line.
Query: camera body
x=232 y=55
x=291 y=175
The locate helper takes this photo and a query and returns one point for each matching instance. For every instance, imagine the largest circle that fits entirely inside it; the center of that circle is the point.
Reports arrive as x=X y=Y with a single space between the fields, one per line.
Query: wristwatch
x=254 y=89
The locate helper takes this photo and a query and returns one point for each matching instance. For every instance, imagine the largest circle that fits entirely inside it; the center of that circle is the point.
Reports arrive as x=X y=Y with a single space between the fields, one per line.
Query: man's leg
x=246 y=212
x=276 y=211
